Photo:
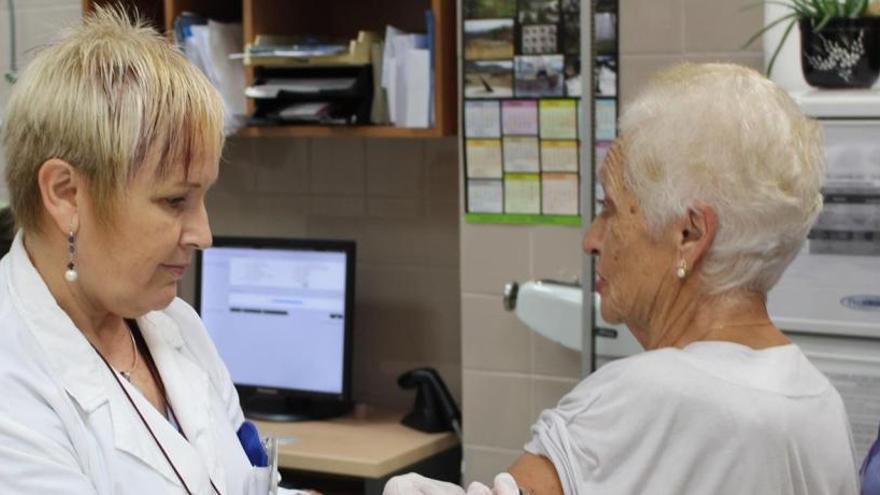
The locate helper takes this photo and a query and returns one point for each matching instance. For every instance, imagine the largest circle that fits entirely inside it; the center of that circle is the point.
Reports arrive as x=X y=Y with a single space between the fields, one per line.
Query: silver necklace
x=127 y=374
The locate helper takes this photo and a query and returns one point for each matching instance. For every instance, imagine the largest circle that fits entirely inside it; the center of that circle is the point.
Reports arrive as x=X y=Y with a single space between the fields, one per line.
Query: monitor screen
x=279 y=312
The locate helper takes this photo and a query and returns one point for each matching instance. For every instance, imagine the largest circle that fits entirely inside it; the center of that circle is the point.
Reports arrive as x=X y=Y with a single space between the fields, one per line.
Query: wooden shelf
x=338 y=18
x=376 y=131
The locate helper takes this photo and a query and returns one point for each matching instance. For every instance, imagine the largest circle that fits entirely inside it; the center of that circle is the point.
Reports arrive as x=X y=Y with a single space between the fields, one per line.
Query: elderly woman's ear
x=696 y=232
x=62 y=189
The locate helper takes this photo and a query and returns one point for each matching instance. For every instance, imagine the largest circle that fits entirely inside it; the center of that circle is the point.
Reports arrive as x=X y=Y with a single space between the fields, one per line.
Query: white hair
x=726 y=136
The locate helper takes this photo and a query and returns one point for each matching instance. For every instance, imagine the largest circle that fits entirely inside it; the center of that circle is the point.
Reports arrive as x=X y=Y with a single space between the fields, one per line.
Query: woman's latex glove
x=416 y=484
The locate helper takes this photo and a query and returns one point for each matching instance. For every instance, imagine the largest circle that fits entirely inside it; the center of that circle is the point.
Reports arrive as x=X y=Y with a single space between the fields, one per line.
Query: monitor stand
x=286 y=409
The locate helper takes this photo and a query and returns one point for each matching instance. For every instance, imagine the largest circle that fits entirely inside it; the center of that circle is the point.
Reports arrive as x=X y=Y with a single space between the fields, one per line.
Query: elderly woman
x=110 y=384
x=708 y=195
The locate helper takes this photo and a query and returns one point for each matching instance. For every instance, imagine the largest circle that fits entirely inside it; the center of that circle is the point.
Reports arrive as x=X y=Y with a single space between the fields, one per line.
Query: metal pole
x=588 y=361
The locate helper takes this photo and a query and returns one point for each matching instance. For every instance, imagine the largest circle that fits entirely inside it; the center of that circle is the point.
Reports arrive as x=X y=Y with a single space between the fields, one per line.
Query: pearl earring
x=681 y=272
x=70 y=275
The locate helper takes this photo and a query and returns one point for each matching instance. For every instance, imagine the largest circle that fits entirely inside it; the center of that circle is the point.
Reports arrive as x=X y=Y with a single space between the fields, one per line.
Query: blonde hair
x=726 y=136
x=107 y=98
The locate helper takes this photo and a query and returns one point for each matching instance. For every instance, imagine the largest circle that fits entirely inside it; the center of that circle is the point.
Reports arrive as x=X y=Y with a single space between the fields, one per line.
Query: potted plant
x=840 y=40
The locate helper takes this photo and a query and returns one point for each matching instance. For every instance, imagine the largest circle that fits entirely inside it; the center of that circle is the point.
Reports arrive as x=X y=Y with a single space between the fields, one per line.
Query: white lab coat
x=67 y=428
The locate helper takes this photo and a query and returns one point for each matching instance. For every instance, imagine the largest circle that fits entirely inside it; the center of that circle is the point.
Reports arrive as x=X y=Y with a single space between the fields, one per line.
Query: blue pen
x=250 y=441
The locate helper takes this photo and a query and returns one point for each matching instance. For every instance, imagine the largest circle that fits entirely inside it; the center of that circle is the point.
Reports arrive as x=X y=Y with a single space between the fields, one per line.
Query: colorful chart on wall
x=521 y=107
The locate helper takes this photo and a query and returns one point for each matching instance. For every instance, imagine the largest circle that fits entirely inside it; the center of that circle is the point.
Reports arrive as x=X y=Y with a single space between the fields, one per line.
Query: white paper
x=397 y=44
x=559 y=194
x=417 y=72
x=521 y=154
x=391 y=32
x=558 y=119
x=483 y=158
x=209 y=49
x=559 y=156
x=522 y=193
x=520 y=117
x=606 y=119
x=482 y=119
x=485 y=196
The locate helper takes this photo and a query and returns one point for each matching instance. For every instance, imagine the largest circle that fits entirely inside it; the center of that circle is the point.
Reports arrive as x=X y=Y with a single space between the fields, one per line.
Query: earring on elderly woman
x=681 y=272
x=70 y=275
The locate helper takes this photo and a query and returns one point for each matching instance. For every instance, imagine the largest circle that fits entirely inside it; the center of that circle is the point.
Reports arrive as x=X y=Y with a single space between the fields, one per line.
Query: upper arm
x=535 y=474
x=33 y=462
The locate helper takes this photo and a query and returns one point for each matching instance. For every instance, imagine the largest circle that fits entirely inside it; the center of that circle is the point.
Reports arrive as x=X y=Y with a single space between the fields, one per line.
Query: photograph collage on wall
x=521 y=107
x=605 y=70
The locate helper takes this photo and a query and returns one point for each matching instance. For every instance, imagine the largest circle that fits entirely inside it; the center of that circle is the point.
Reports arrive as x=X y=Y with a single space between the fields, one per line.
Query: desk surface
x=369 y=443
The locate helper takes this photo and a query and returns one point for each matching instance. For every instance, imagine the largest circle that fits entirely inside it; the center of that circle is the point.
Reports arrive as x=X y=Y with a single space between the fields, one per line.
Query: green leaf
x=792 y=17
x=823 y=22
x=779 y=47
x=857 y=8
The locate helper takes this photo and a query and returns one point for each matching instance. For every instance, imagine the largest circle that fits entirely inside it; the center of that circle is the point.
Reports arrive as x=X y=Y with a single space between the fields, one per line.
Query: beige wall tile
x=409 y=312
x=281 y=165
x=650 y=26
x=497 y=409
x=396 y=208
x=337 y=166
x=547 y=392
x=441 y=163
x=492 y=338
x=484 y=463
x=553 y=359
x=38 y=5
x=439 y=291
x=237 y=167
x=375 y=382
x=240 y=215
x=720 y=26
x=396 y=241
x=635 y=70
x=338 y=206
x=493 y=255
x=755 y=61
x=322 y=227
x=441 y=240
x=557 y=253
x=395 y=167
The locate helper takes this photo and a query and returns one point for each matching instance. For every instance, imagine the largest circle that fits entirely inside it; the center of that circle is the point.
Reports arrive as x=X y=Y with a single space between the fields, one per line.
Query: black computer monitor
x=280 y=312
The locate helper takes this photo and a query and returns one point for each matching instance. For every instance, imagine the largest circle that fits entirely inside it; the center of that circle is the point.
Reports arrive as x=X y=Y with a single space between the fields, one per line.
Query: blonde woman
x=111 y=384
x=708 y=195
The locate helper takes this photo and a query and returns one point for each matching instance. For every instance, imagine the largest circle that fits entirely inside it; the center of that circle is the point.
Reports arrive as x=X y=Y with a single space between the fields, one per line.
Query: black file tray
x=349 y=106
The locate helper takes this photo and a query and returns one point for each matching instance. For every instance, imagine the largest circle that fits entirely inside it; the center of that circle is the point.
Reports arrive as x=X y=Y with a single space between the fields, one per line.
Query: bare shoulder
x=535 y=474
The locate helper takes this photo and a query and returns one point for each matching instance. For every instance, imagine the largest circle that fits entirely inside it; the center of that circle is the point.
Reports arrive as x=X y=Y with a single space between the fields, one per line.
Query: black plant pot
x=845 y=53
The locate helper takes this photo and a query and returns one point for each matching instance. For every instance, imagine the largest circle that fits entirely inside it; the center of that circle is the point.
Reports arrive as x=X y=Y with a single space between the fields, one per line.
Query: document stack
x=311 y=80
x=208 y=45
x=407 y=76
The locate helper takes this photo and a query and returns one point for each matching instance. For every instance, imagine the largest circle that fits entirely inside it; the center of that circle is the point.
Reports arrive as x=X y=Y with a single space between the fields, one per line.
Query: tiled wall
x=509 y=373
x=398 y=199
x=37 y=22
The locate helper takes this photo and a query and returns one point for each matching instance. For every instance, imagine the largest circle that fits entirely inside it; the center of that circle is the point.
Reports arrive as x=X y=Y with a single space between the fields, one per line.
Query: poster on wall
x=521 y=75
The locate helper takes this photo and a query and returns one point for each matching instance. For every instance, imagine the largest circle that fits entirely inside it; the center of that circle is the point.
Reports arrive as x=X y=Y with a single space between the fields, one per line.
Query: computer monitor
x=280 y=313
